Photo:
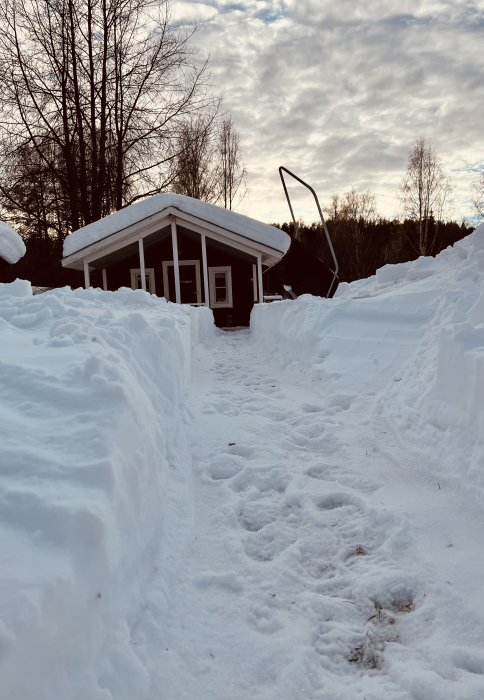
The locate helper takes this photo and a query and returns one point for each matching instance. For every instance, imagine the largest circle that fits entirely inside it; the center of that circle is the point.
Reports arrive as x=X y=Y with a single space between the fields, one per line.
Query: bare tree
x=358 y=206
x=195 y=171
x=352 y=206
x=349 y=217
x=98 y=91
x=208 y=163
x=478 y=195
x=333 y=210
x=232 y=174
x=424 y=193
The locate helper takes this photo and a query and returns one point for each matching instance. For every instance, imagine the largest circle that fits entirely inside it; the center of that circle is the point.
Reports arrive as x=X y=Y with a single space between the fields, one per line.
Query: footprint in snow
x=254 y=515
x=222 y=469
x=341 y=401
x=269 y=542
x=311 y=408
x=320 y=471
x=468 y=660
x=276 y=415
x=240 y=450
x=262 y=480
x=319 y=568
x=262 y=619
x=332 y=501
x=326 y=472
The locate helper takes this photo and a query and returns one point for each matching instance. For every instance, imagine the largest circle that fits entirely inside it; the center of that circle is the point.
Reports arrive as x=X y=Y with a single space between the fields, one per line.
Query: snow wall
x=414 y=334
x=92 y=415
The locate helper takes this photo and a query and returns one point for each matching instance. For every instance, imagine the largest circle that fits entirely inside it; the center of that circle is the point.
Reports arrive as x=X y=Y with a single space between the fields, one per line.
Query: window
x=220 y=285
x=149 y=277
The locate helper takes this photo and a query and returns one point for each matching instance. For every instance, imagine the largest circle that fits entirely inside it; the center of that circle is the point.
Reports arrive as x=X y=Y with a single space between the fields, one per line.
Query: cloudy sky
x=338 y=90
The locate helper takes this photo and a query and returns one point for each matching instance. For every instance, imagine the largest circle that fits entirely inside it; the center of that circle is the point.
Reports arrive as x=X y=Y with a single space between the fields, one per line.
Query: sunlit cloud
x=338 y=92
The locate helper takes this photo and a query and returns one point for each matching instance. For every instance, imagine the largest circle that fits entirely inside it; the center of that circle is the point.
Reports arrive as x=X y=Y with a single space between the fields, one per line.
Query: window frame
x=227 y=270
x=149 y=273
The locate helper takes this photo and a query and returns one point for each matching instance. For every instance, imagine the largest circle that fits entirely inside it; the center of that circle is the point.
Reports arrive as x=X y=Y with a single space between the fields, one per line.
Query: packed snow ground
x=290 y=512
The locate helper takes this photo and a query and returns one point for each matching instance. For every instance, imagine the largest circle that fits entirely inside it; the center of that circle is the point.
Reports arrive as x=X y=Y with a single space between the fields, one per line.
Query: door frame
x=198 y=280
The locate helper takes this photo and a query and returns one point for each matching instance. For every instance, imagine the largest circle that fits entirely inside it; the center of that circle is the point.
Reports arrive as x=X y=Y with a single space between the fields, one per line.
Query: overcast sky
x=338 y=90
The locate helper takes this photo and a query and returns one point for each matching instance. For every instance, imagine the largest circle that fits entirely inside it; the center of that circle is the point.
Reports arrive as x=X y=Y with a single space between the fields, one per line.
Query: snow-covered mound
x=414 y=334
x=12 y=247
x=91 y=414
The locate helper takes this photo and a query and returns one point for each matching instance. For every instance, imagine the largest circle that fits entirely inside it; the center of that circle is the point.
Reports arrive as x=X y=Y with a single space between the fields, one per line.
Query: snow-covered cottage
x=188 y=251
x=12 y=248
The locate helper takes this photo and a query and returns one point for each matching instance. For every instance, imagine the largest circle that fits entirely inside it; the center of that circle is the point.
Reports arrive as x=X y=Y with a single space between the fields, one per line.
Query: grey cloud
x=341 y=92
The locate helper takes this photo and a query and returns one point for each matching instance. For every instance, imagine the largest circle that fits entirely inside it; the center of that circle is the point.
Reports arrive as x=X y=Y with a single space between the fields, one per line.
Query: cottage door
x=190 y=287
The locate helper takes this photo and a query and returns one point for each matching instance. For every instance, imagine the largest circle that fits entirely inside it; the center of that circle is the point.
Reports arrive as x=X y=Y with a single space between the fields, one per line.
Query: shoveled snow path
x=295 y=575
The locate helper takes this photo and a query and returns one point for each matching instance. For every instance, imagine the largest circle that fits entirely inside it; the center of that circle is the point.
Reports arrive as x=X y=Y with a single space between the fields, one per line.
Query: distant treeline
x=362 y=247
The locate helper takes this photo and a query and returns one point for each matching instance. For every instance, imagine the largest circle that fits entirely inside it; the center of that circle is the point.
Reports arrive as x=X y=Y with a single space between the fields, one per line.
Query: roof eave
x=140 y=229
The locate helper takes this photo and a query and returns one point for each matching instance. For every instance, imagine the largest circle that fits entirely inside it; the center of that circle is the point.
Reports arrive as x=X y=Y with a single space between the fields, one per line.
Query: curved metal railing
x=283 y=170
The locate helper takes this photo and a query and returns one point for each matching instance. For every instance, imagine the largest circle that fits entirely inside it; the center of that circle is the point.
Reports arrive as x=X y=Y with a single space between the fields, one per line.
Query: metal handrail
x=282 y=170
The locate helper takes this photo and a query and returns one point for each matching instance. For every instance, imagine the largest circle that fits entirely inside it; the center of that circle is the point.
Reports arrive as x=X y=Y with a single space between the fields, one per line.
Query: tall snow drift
x=425 y=317
x=91 y=410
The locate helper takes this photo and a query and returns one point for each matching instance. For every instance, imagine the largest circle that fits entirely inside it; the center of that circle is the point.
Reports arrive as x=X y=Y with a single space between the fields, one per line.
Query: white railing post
x=205 y=271
x=259 y=278
x=176 y=266
x=142 y=264
x=254 y=282
x=87 y=277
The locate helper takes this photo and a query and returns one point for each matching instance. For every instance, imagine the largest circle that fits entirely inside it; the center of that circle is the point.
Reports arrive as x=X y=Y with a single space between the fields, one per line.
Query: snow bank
x=19 y=288
x=229 y=220
x=413 y=334
x=91 y=409
x=12 y=247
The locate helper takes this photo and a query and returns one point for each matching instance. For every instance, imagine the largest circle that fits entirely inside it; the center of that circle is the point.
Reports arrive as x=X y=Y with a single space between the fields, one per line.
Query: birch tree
x=424 y=193
x=232 y=174
x=208 y=161
x=478 y=195
x=195 y=173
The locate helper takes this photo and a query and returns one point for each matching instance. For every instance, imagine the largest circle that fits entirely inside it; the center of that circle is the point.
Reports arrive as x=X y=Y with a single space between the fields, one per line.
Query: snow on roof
x=228 y=220
x=12 y=247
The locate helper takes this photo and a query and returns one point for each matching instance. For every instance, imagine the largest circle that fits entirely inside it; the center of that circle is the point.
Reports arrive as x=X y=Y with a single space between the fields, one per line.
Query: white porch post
x=259 y=278
x=254 y=282
x=105 y=280
x=142 y=264
x=176 y=266
x=205 y=271
x=87 y=277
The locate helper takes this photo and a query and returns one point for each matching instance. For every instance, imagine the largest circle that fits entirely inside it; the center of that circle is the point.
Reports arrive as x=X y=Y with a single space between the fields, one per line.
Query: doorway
x=190 y=281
